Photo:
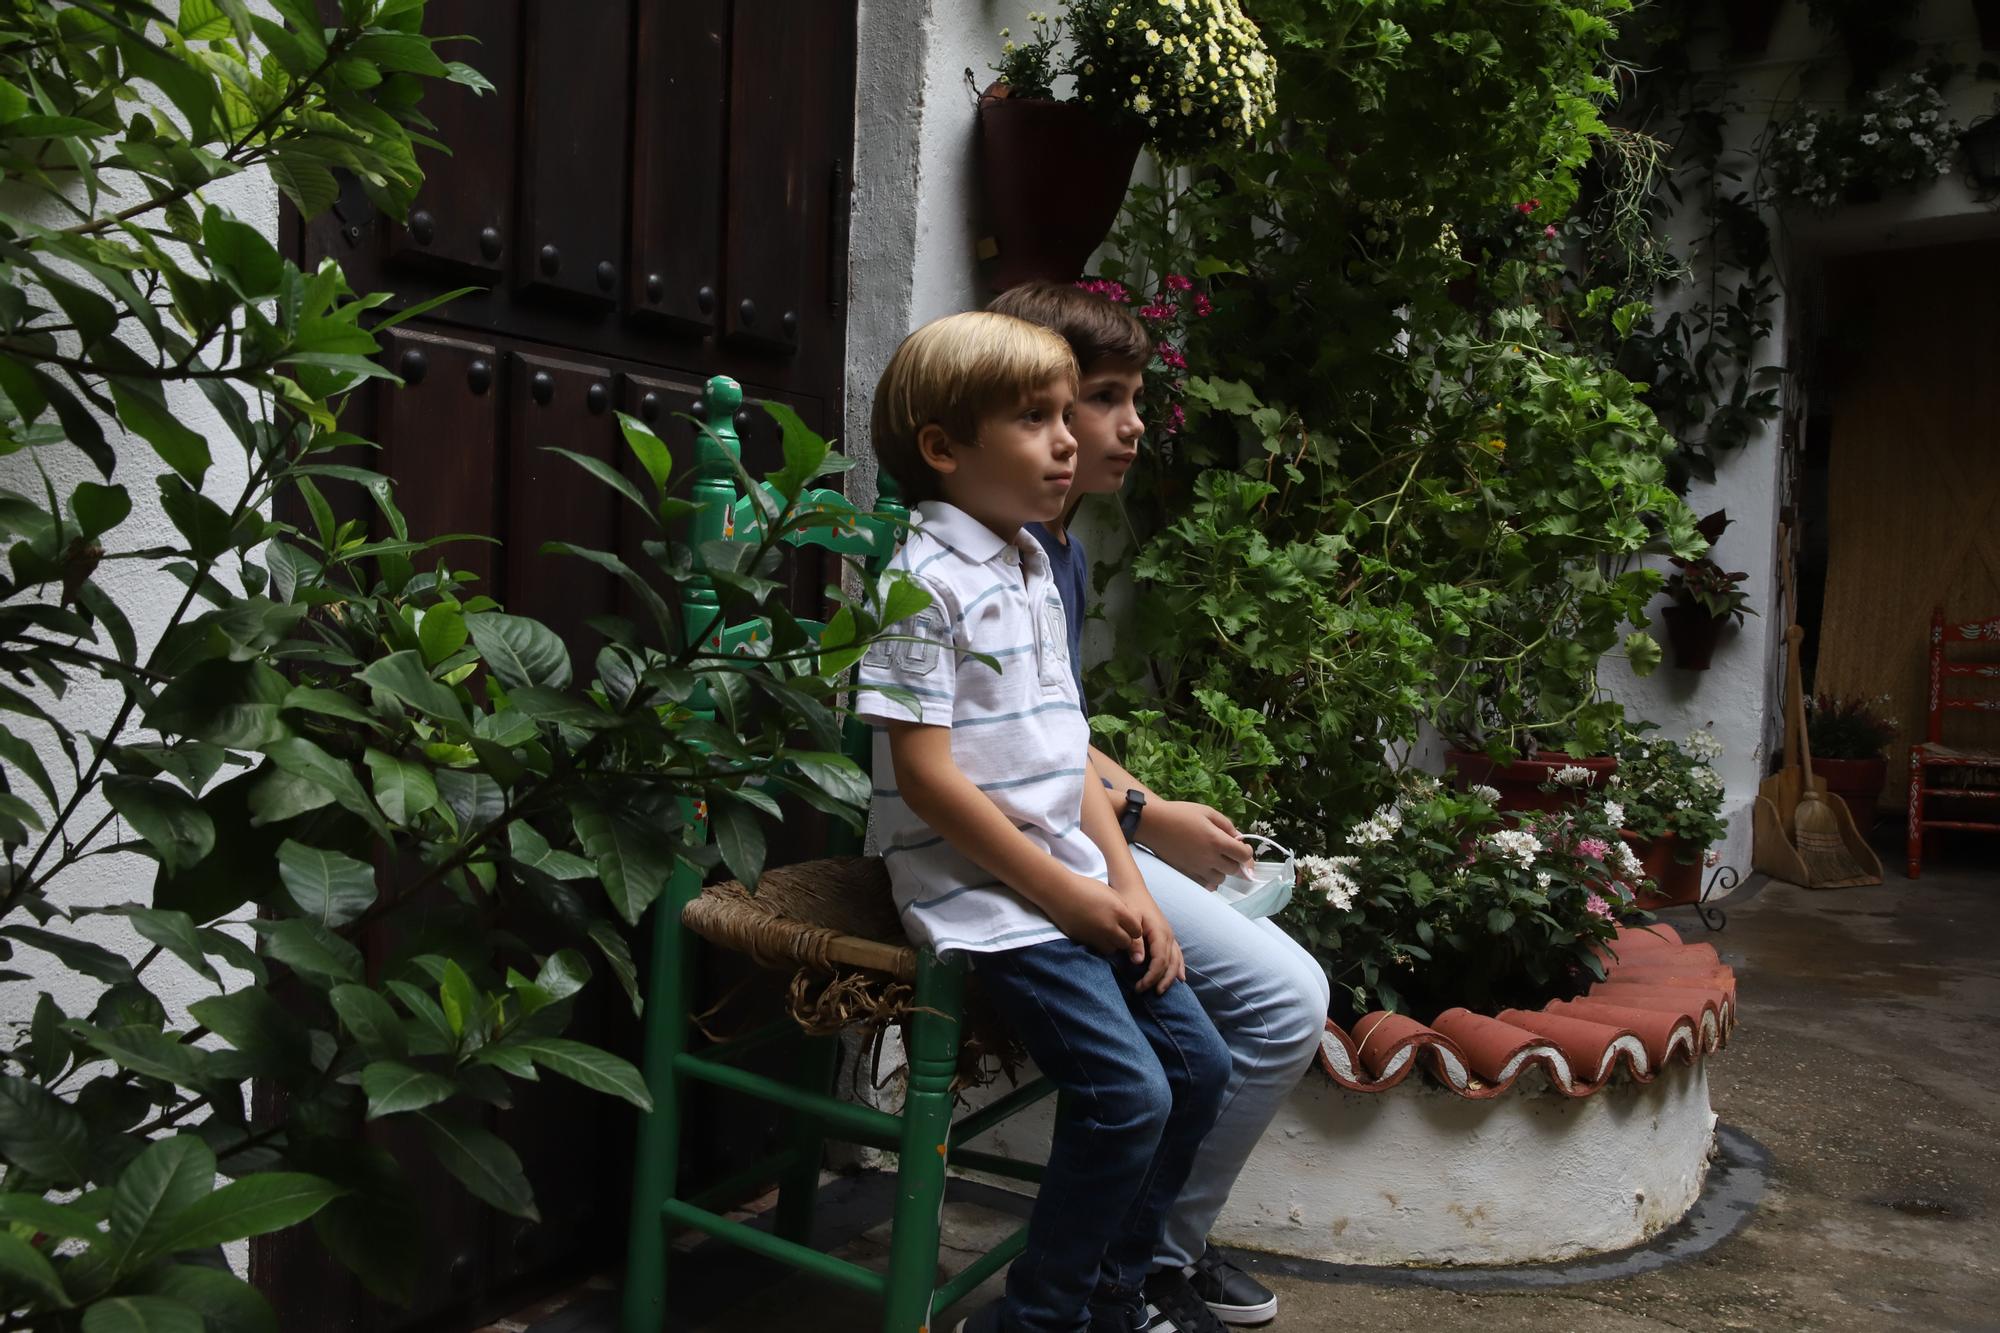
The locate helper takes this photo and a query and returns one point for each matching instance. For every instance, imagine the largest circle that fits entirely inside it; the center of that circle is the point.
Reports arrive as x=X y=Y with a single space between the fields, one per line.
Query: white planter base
x=1422 y=1176
x=1419 y=1175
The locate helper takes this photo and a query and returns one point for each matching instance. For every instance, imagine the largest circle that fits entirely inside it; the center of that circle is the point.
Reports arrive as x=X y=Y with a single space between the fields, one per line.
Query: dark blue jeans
x=1142 y=1078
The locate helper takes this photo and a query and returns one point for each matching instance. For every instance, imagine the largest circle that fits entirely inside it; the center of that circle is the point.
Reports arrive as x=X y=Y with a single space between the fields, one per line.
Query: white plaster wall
x=1418 y=1175
x=1741 y=697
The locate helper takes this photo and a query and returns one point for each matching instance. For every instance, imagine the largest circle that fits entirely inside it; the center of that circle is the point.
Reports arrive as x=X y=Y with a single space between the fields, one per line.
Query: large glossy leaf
x=394 y=1087
x=232 y=704
x=587 y=1065
x=310 y=949
x=175 y=932
x=42 y=1133
x=141 y=1314
x=520 y=651
x=632 y=861
x=226 y=1303
x=253 y=1206
x=402 y=675
x=306 y=759
x=93 y=960
x=331 y=888
x=268 y=1037
x=24 y=1269
x=481 y=1161
x=370 y=1021
x=177 y=830
x=164 y=1181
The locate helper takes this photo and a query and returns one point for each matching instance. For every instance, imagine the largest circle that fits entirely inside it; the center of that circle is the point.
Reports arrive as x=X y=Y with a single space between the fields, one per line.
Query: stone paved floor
x=1866 y=1065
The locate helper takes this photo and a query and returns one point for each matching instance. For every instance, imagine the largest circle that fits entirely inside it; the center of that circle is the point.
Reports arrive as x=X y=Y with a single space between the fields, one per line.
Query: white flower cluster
x=1490 y=795
x=1331 y=877
x=1378 y=827
x=1901 y=138
x=1516 y=845
x=1614 y=814
x=1574 y=775
x=1702 y=746
x=1626 y=863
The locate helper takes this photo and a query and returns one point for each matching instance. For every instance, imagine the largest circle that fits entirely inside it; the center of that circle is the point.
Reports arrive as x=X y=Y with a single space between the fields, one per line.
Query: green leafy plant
x=1703 y=584
x=320 y=729
x=1899 y=138
x=1436 y=900
x=1848 y=726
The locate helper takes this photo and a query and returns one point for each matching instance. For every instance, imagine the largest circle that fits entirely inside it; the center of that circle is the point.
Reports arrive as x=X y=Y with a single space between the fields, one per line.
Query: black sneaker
x=1141 y=1316
x=1169 y=1291
x=1233 y=1295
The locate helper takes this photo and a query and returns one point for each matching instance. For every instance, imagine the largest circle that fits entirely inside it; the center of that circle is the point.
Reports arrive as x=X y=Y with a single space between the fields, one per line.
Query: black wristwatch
x=1128 y=818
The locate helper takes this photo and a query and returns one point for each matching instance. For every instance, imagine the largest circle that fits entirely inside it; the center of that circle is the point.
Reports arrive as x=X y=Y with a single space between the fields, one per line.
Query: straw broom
x=1816 y=831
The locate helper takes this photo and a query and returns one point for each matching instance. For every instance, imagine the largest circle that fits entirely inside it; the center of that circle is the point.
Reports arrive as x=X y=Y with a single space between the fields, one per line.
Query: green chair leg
x=933 y=1037
x=656 y=1168
x=798 y=1189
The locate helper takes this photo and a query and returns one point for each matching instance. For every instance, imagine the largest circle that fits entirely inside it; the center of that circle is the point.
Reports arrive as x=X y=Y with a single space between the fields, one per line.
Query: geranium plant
x=1900 y=137
x=1665 y=786
x=1848 y=726
x=1193 y=76
x=1437 y=900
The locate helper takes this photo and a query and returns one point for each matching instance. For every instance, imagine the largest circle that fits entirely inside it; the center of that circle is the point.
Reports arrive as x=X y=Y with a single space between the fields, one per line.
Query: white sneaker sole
x=1244 y=1315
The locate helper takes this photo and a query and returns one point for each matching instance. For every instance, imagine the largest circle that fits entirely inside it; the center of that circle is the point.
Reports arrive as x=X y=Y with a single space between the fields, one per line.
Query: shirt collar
x=963 y=533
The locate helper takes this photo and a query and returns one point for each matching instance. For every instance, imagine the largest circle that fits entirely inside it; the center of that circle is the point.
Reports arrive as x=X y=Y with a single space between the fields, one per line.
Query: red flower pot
x=1519 y=783
x=1857 y=782
x=1024 y=144
x=1692 y=633
x=1675 y=882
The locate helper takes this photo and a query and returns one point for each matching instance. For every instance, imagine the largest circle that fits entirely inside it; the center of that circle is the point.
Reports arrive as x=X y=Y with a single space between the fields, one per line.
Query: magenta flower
x=1177 y=283
x=1175 y=418
x=1158 y=314
x=1202 y=308
x=1171 y=357
x=1549 y=231
x=1596 y=906
x=1594 y=848
x=1109 y=290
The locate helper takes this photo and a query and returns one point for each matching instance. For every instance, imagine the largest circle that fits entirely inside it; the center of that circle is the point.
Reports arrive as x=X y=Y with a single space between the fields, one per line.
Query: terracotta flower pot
x=1675 y=882
x=1024 y=145
x=1857 y=782
x=1519 y=783
x=1692 y=633
x=1750 y=24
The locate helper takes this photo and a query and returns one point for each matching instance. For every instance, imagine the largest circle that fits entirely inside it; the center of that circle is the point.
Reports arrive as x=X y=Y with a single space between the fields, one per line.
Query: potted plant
x=1667 y=801
x=1850 y=739
x=1143 y=73
x=1705 y=597
x=1543 y=780
x=1898 y=138
x=1437 y=900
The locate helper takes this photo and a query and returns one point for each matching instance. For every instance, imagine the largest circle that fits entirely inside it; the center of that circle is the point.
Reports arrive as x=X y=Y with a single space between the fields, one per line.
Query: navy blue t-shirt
x=1071 y=571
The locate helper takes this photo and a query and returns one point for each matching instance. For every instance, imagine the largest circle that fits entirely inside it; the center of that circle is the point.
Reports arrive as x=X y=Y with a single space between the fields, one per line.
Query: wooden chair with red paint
x=1977 y=769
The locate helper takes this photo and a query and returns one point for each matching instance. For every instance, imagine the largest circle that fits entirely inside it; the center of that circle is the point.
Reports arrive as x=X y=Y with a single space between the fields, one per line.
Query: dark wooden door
x=656 y=193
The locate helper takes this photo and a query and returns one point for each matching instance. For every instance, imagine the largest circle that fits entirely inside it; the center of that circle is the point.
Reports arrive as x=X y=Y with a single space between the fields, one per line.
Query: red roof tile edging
x=1661 y=1000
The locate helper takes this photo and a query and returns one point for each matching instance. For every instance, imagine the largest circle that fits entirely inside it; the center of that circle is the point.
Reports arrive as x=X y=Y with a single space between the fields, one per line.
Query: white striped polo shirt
x=1017 y=733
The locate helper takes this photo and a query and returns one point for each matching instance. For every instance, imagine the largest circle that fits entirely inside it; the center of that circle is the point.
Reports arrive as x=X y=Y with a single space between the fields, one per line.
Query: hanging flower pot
x=1750 y=25
x=1520 y=782
x=1857 y=782
x=1026 y=143
x=1675 y=882
x=1692 y=633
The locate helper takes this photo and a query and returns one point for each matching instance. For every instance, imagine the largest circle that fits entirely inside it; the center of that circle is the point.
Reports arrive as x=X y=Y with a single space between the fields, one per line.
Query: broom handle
x=1793 y=637
x=1795 y=706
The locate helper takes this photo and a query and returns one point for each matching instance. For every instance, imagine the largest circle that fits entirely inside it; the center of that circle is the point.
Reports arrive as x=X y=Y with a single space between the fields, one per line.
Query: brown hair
x=952 y=373
x=1096 y=329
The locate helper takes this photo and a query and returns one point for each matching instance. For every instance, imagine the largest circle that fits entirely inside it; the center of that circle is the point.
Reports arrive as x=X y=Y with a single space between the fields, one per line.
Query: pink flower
x=1175 y=419
x=1594 y=848
x=1596 y=906
x=1171 y=357
x=1109 y=290
x=1549 y=231
x=1527 y=206
x=1202 y=308
x=1158 y=313
x=1177 y=283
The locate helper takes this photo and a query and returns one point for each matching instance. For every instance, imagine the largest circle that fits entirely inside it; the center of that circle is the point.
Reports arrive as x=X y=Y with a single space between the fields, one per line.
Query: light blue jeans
x=1267 y=998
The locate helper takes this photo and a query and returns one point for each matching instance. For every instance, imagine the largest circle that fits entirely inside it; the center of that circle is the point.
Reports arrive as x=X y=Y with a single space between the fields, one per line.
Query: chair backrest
x=1945 y=634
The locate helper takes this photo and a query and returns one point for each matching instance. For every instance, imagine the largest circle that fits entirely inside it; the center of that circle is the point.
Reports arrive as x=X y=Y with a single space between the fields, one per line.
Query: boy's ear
x=937 y=449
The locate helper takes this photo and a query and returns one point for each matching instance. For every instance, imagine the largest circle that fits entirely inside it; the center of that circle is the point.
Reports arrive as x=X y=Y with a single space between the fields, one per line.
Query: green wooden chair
x=924 y=1137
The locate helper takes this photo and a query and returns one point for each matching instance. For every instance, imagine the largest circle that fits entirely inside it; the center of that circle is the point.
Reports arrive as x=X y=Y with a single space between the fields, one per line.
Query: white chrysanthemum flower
x=1490 y=795
x=1574 y=775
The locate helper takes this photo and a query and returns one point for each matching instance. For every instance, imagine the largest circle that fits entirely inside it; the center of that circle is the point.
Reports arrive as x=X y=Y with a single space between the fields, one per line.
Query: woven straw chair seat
x=823 y=915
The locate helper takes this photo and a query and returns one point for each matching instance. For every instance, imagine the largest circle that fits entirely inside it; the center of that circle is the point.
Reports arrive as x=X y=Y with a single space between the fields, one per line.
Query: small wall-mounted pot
x=1024 y=145
x=1692 y=633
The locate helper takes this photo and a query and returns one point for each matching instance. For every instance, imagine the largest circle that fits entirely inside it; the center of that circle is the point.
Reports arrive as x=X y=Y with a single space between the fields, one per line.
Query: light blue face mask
x=1267 y=886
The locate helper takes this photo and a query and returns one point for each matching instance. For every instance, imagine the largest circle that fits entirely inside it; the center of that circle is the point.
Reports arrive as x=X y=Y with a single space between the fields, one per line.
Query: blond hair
x=952 y=373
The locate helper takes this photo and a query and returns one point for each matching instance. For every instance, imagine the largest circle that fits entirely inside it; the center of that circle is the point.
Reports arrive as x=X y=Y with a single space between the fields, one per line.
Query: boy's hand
x=1195 y=839
x=1094 y=915
x=1164 y=964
